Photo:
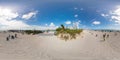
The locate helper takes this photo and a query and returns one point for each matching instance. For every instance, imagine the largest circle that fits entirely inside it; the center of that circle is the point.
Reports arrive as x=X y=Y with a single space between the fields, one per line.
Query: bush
x=33 y=32
x=71 y=32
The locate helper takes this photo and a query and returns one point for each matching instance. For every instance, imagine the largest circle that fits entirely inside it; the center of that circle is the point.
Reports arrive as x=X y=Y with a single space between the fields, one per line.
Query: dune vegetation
x=66 y=33
x=33 y=32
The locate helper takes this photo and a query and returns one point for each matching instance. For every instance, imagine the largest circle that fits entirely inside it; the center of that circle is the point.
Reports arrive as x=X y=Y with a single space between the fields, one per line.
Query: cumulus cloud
x=96 y=22
x=116 y=15
x=52 y=24
x=76 y=24
x=29 y=15
x=14 y=24
x=8 y=20
x=104 y=15
x=75 y=8
x=68 y=22
x=75 y=15
x=7 y=13
x=46 y=24
x=81 y=9
x=113 y=15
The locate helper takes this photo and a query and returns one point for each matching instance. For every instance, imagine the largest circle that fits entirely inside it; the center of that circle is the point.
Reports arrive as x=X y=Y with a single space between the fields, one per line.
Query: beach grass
x=66 y=33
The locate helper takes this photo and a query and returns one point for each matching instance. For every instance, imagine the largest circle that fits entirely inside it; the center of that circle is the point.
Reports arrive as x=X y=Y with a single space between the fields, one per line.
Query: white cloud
x=14 y=24
x=8 y=20
x=75 y=8
x=29 y=15
x=81 y=9
x=68 y=22
x=7 y=13
x=96 y=22
x=52 y=24
x=104 y=15
x=76 y=24
x=46 y=24
x=116 y=15
x=75 y=15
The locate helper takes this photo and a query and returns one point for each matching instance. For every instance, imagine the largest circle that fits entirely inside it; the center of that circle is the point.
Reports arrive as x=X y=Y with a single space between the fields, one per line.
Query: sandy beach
x=46 y=46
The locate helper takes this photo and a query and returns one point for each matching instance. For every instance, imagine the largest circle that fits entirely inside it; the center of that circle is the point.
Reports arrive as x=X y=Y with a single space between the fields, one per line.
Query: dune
x=87 y=46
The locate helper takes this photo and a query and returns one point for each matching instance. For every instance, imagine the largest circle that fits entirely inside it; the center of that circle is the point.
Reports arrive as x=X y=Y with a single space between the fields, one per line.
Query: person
x=7 y=38
x=15 y=35
x=12 y=37
x=107 y=35
x=104 y=35
x=96 y=35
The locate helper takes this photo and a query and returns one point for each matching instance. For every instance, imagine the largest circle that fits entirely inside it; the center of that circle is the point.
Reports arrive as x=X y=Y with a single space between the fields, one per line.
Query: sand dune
x=87 y=46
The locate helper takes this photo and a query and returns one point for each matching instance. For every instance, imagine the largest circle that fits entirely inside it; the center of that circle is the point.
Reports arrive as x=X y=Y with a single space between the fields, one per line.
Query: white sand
x=48 y=47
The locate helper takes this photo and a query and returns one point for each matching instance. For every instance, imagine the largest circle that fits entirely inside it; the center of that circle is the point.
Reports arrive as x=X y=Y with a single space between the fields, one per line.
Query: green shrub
x=33 y=32
x=71 y=32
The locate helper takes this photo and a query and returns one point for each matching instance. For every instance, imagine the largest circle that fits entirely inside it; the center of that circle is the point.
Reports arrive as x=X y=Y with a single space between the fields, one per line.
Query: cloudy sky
x=50 y=14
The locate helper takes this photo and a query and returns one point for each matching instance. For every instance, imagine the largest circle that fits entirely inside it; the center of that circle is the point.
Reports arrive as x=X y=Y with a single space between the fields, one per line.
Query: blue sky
x=50 y=14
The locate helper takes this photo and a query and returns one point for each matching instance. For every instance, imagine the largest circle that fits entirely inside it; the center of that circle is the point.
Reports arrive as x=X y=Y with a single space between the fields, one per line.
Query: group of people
x=11 y=37
x=105 y=36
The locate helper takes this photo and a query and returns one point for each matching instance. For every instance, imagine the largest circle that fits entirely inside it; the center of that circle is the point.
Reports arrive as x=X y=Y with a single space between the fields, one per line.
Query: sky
x=50 y=14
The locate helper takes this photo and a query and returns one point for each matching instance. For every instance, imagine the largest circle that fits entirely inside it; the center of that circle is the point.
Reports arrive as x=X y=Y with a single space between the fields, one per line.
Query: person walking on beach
x=7 y=38
x=15 y=35
x=104 y=35
x=12 y=37
x=107 y=35
x=96 y=35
